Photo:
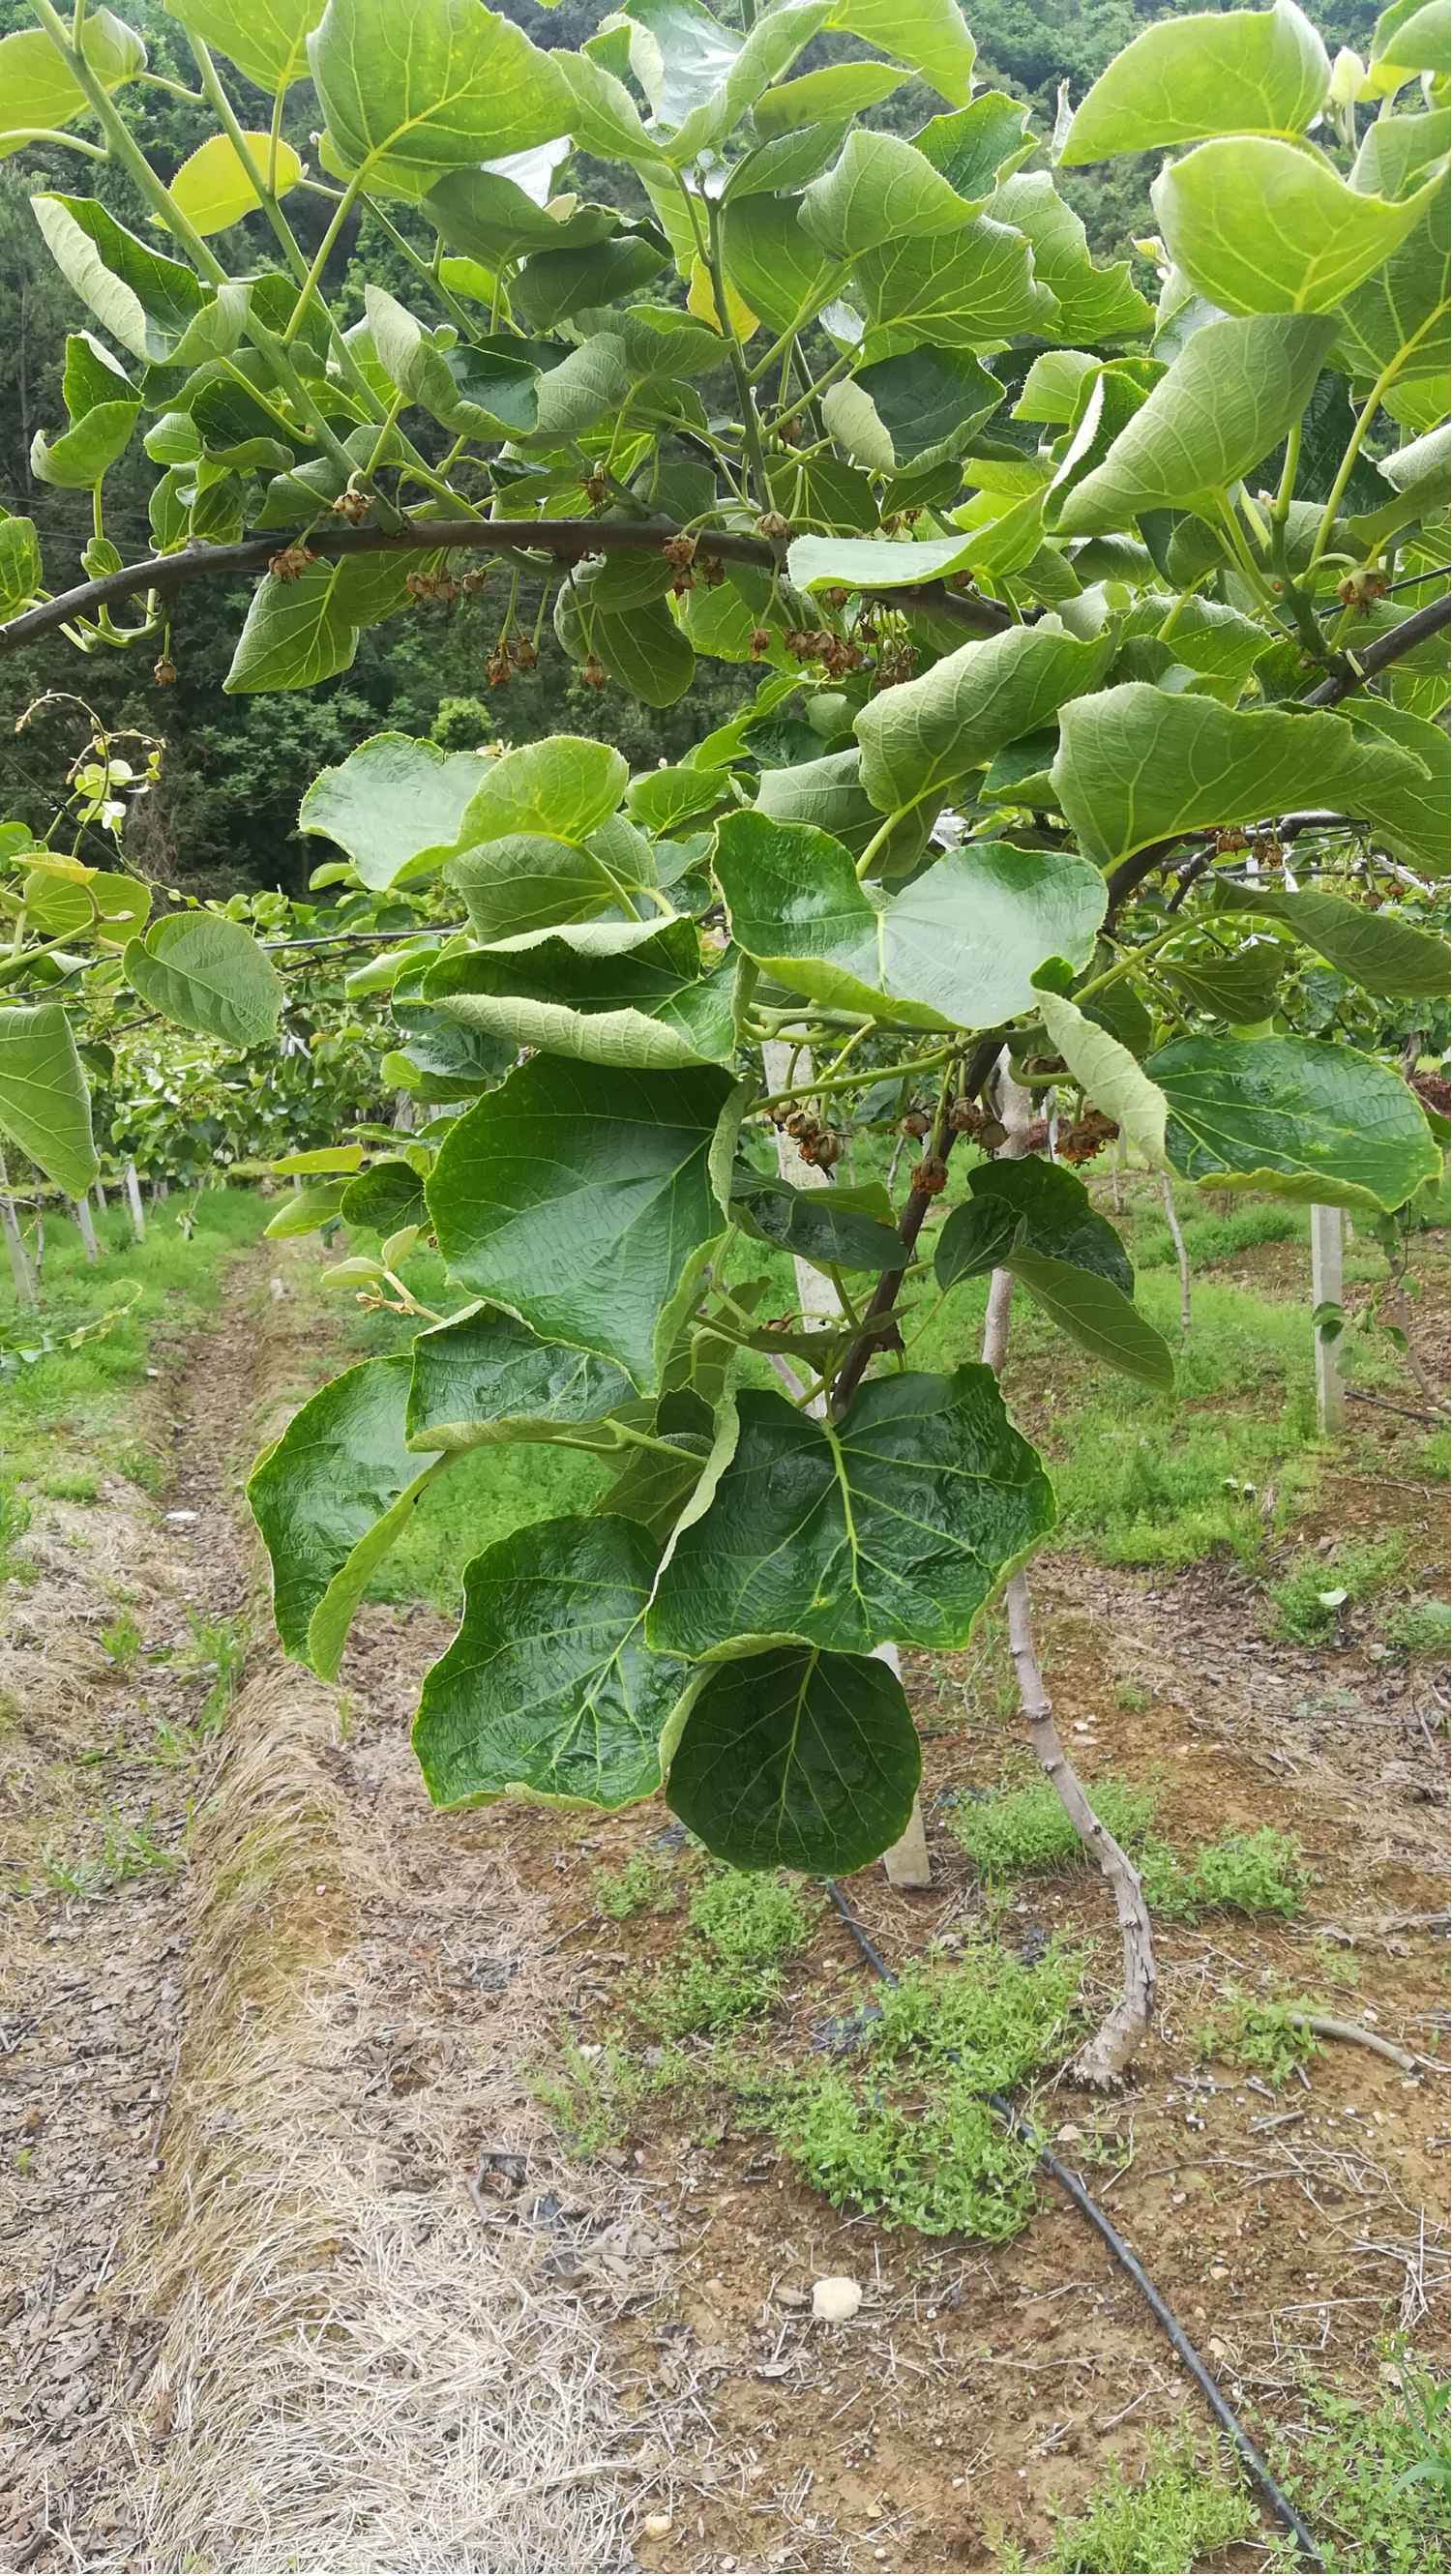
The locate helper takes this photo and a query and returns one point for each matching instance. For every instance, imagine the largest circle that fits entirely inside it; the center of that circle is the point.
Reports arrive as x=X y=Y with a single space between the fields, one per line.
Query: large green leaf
x=1233 y=392
x=963 y=289
x=823 y=1226
x=330 y=1497
x=487 y=389
x=797 y=1760
x=91 y=902
x=1138 y=764
x=1396 y=151
x=587 y=1203
x=555 y=284
x=394 y=803
x=549 y=1692
x=1375 y=949
x=1095 y=1314
x=1108 y=1075
x=783 y=274
x=157 y=308
x=389 y=1195
x=1291 y=1116
x=207 y=973
x=654 y=1483
x=563 y=787
x=611 y=993
x=898 y=1522
x=643 y=648
x=957 y=948
x=483 y=1378
x=1094 y=303
x=45 y=1107
x=38 y=87
x=440 y=1058
x=838 y=91
x=880 y=190
x=874 y=563
x=296 y=632
x=1422 y=807
x=266 y=39
x=660 y=799
x=829 y=792
x=1242 y=989
x=1035 y=1220
x=1265 y=227
x=680 y=54
x=103 y=408
x=492 y=218
x=440 y=87
x=20 y=566
x=1221 y=644
x=1398 y=320
x=930 y=36
x=214 y=188
x=975 y=146
x=930 y=402
x=771 y=47
x=1055 y=1212
x=1409 y=38
x=921 y=738
x=1249 y=71
x=523 y=883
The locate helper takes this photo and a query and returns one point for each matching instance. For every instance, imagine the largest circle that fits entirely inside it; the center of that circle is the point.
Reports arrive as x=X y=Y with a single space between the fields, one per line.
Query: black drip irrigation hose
x=1213 y=2395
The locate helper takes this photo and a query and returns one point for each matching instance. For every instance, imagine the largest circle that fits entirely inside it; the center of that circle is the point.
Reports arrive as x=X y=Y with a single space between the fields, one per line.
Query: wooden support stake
x=1326 y=1290
x=1182 y=1257
x=87 y=1225
x=906 y=1863
x=26 y=1292
x=132 y=1187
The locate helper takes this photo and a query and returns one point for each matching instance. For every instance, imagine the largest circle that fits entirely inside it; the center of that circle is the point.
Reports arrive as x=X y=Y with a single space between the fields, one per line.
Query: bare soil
x=295 y=2273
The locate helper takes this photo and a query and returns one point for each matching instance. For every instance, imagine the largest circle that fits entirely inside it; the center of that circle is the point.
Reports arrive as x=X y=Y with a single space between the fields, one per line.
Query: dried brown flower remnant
x=1087 y=1137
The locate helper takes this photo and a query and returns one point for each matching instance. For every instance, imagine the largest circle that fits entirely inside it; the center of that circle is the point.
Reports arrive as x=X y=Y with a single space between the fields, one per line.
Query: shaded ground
x=269 y=2122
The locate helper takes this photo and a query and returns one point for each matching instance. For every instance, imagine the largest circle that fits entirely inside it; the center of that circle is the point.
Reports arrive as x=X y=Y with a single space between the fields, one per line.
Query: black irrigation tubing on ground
x=1185 y=2351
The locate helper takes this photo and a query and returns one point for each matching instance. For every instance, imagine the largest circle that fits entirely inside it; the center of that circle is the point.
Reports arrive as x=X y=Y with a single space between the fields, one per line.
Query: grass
x=1269 y=2038
x=640 y=1886
x=1375 y=2482
x=66 y=1373
x=1420 y=1627
x=121 y=1640
x=742 y=1926
x=1311 y=1595
x=217 y=1651
x=1024 y=1831
x=1259 y=1873
x=127 y=1850
x=1175 y=2515
x=907 y=2135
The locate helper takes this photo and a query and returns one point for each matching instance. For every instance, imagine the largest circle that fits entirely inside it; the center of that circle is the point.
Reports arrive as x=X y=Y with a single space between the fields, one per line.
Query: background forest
x=224 y=814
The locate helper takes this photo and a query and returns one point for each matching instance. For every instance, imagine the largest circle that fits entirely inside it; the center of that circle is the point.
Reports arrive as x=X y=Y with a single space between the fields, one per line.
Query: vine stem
x=568 y=540
x=907 y=1863
x=1103 y=2061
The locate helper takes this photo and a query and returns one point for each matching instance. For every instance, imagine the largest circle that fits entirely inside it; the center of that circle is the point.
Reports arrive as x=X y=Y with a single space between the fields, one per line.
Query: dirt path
x=253 y=2314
